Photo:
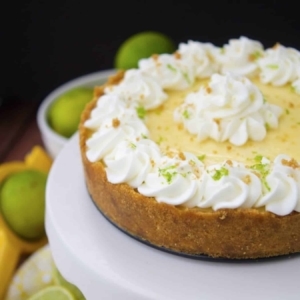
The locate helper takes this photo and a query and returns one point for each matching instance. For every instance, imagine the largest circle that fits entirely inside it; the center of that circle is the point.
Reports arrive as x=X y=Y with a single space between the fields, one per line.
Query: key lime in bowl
x=58 y=114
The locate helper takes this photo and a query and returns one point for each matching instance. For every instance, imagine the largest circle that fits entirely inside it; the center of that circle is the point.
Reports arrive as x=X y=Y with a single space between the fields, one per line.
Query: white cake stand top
x=105 y=263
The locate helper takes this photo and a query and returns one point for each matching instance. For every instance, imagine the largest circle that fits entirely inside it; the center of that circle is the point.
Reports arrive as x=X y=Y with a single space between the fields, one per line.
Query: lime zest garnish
x=267 y=126
x=160 y=140
x=287 y=111
x=186 y=77
x=220 y=173
x=141 y=111
x=265 y=183
x=201 y=157
x=293 y=88
x=168 y=173
x=184 y=175
x=256 y=55
x=186 y=114
x=258 y=158
x=132 y=145
x=170 y=67
x=192 y=162
x=262 y=169
x=272 y=66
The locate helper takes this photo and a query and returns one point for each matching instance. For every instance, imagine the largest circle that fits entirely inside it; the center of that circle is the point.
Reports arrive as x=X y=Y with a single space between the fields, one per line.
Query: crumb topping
x=290 y=163
x=177 y=55
x=116 y=123
x=208 y=89
x=181 y=156
x=247 y=179
x=229 y=162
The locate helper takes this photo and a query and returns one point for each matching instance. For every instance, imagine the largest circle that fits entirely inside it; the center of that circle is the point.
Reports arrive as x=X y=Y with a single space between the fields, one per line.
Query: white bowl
x=54 y=142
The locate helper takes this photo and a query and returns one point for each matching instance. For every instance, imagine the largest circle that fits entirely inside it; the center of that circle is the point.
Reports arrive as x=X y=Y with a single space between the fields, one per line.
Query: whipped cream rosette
x=282 y=186
x=240 y=56
x=201 y=56
x=175 y=180
x=279 y=65
x=229 y=108
x=230 y=185
x=169 y=70
x=115 y=122
x=110 y=107
x=131 y=161
x=139 y=89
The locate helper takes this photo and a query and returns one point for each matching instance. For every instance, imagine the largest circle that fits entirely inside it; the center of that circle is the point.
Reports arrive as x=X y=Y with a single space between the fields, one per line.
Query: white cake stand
x=105 y=263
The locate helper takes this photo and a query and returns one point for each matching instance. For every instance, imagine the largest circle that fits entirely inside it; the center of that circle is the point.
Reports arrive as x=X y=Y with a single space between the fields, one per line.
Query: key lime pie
x=197 y=152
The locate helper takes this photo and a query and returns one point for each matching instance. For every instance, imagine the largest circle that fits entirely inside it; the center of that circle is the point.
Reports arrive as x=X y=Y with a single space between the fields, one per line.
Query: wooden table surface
x=18 y=130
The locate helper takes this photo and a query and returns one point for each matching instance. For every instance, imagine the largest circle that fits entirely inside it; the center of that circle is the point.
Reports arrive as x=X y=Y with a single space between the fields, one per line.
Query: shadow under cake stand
x=105 y=263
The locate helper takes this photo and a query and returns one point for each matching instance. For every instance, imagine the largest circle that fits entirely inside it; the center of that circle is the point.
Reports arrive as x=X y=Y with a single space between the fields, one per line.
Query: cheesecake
x=197 y=152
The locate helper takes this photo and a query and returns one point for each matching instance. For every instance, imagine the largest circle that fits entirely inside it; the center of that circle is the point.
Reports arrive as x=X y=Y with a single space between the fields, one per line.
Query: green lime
x=22 y=203
x=61 y=281
x=53 y=293
x=64 y=113
x=142 y=45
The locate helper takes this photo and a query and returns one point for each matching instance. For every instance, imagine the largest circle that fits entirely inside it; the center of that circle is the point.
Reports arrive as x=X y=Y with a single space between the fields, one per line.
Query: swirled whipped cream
x=131 y=161
x=169 y=70
x=175 y=180
x=229 y=108
x=281 y=186
x=240 y=56
x=140 y=89
x=230 y=185
x=201 y=56
x=114 y=122
x=279 y=65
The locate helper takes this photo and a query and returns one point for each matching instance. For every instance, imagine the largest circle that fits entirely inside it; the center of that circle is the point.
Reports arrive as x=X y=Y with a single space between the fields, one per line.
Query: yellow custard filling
x=282 y=140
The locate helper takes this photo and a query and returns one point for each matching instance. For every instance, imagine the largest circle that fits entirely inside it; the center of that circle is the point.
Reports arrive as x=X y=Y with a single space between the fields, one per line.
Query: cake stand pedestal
x=105 y=263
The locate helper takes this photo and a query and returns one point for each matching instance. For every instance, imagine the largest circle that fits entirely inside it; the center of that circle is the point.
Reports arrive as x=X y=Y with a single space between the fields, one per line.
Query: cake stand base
x=105 y=263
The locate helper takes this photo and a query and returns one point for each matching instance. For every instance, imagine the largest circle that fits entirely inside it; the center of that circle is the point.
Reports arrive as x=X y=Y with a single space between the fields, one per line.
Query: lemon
x=33 y=275
x=61 y=281
x=22 y=203
x=52 y=293
x=64 y=113
x=142 y=45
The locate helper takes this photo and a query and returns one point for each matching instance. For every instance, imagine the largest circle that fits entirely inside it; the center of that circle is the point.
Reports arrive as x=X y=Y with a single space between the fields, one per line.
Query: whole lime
x=22 y=203
x=64 y=113
x=142 y=45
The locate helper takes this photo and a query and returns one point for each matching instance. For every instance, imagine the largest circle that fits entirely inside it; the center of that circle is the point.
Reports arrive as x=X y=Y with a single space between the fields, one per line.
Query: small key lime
x=142 y=45
x=22 y=203
x=64 y=113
